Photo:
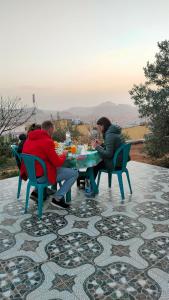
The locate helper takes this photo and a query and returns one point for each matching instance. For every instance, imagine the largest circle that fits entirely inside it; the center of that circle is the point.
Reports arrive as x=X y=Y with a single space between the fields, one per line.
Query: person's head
x=34 y=126
x=103 y=124
x=48 y=126
x=22 y=137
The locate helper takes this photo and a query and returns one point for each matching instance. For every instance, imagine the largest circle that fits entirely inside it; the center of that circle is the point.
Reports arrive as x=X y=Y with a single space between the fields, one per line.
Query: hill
x=123 y=114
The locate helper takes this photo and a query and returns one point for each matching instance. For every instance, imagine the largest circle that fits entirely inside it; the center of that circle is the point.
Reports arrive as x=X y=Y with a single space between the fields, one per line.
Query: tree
x=59 y=135
x=152 y=99
x=13 y=114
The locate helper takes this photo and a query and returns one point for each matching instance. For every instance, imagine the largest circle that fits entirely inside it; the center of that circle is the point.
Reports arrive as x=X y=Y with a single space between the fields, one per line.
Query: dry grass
x=136 y=132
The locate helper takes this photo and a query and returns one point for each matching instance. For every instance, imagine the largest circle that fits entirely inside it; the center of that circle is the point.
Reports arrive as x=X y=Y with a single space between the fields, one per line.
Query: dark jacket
x=113 y=139
x=22 y=139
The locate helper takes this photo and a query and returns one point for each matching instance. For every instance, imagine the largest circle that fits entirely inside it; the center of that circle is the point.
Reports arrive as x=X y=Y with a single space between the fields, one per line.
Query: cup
x=56 y=144
x=73 y=149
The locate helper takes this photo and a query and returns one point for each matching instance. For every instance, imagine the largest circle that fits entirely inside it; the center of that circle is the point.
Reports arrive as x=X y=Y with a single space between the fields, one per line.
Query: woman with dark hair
x=113 y=139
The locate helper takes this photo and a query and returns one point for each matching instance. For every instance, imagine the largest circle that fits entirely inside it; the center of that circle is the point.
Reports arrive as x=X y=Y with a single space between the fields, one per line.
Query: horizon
x=85 y=106
x=78 y=53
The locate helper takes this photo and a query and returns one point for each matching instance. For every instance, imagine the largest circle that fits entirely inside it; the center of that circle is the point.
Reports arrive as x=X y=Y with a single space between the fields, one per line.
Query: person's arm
x=53 y=157
x=108 y=150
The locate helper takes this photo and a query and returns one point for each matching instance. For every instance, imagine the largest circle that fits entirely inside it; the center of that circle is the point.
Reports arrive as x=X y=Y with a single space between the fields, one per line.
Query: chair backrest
x=29 y=162
x=123 y=151
x=15 y=153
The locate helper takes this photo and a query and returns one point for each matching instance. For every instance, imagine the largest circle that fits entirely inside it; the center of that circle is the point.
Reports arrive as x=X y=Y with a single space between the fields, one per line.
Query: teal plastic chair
x=29 y=162
x=15 y=153
x=124 y=150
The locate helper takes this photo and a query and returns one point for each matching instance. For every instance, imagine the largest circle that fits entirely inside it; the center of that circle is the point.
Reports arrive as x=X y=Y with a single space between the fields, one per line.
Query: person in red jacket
x=40 y=144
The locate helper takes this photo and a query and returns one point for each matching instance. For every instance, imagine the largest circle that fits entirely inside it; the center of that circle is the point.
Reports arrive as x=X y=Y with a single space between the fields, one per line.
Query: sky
x=77 y=52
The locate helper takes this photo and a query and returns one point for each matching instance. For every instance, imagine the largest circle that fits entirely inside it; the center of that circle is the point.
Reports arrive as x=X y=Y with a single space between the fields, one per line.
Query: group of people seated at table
x=38 y=142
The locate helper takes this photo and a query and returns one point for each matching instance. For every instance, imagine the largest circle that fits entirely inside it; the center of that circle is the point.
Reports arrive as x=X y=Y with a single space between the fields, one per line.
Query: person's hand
x=65 y=152
x=94 y=143
x=98 y=142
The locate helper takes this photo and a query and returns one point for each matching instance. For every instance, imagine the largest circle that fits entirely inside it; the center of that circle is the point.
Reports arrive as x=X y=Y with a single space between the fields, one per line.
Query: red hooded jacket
x=40 y=144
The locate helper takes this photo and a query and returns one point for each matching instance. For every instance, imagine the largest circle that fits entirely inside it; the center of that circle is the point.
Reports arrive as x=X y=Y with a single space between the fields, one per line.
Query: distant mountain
x=123 y=114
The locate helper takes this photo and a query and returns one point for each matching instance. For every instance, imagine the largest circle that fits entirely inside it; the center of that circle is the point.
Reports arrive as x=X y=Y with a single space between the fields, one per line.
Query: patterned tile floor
x=98 y=249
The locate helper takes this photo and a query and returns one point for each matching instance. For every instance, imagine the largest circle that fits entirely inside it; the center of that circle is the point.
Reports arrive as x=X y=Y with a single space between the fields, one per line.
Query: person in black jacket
x=22 y=139
x=113 y=139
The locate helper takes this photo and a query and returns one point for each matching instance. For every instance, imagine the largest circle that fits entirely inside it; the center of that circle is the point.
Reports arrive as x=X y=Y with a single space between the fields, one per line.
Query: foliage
x=13 y=114
x=152 y=99
x=5 y=143
x=126 y=136
x=60 y=134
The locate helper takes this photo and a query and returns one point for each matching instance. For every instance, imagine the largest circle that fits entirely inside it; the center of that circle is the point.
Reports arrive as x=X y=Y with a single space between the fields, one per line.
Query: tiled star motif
x=120 y=250
x=120 y=208
x=149 y=196
x=165 y=196
x=80 y=224
x=49 y=222
x=8 y=222
x=85 y=210
x=161 y=227
x=115 y=281
x=29 y=245
x=154 y=249
x=120 y=227
x=19 y=275
x=64 y=282
x=153 y=210
x=7 y=240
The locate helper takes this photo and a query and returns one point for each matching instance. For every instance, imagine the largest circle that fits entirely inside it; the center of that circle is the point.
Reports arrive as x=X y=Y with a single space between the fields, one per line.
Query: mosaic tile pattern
x=153 y=210
x=77 y=250
x=50 y=222
x=120 y=227
x=121 y=281
x=7 y=240
x=154 y=249
x=19 y=276
x=97 y=249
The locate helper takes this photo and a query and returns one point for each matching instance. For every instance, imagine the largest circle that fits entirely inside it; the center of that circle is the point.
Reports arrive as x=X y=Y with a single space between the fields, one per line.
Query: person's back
x=113 y=140
x=40 y=144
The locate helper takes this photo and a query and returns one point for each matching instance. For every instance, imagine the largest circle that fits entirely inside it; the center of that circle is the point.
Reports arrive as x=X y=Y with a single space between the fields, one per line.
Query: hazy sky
x=77 y=52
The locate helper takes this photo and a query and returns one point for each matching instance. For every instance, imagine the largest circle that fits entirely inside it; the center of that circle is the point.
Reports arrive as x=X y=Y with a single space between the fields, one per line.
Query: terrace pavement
x=97 y=249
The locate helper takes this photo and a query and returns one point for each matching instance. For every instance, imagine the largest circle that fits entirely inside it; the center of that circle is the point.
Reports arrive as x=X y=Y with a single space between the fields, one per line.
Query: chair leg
x=27 y=197
x=19 y=187
x=109 y=179
x=98 y=178
x=90 y=174
x=68 y=196
x=120 y=180
x=40 y=201
x=128 y=179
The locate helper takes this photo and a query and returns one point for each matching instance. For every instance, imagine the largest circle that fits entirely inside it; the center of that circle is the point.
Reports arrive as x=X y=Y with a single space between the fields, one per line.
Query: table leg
x=90 y=174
